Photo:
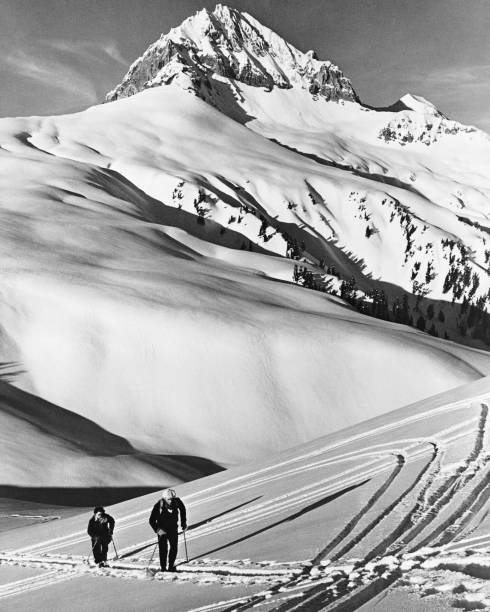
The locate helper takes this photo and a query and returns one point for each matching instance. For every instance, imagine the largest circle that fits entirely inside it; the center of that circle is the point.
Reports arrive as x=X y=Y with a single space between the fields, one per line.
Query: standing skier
x=164 y=522
x=100 y=529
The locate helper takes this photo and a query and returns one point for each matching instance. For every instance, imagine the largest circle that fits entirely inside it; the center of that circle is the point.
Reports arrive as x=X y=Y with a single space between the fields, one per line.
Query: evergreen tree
x=396 y=310
x=296 y=274
x=348 y=290
x=473 y=317
x=476 y=284
x=405 y=310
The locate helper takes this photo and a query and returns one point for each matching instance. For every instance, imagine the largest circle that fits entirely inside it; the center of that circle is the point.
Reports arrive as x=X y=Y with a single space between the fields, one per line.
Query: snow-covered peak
x=420 y=105
x=415 y=119
x=226 y=44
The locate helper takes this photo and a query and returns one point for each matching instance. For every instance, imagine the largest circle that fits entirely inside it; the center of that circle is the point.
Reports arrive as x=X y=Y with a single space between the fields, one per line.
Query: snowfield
x=234 y=263
x=392 y=509
x=113 y=300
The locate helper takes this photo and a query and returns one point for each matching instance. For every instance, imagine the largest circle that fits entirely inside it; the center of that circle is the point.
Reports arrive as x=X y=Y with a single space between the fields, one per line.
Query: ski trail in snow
x=389 y=509
x=219 y=604
x=218 y=572
x=34 y=583
x=429 y=506
x=476 y=466
x=202 y=496
x=343 y=593
x=316 y=596
x=265 y=509
x=476 y=499
x=318 y=585
x=286 y=501
x=422 y=484
x=140 y=517
x=472 y=543
x=349 y=527
x=313 y=593
x=410 y=420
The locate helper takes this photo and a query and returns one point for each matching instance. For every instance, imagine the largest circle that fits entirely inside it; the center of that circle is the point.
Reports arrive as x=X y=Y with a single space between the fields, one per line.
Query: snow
x=266 y=531
x=113 y=298
x=151 y=332
x=420 y=104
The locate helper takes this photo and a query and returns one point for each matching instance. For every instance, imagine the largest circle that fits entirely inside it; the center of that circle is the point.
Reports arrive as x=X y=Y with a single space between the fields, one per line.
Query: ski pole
x=147 y=569
x=115 y=549
x=185 y=545
x=92 y=552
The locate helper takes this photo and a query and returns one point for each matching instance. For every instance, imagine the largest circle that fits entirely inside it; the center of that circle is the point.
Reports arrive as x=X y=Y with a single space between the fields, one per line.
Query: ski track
x=456 y=487
x=388 y=511
x=20 y=587
x=422 y=484
x=135 y=519
x=322 y=584
x=270 y=508
x=350 y=526
x=332 y=597
x=80 y=535
x=429 y=505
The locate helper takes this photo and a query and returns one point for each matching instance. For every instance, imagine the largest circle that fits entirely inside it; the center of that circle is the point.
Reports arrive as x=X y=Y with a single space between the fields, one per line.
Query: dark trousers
x=99 y=548
x=168 y=541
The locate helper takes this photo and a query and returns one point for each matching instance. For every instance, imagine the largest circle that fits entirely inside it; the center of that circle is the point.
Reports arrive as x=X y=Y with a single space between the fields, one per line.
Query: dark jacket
x=102 y=529
x=164 y=516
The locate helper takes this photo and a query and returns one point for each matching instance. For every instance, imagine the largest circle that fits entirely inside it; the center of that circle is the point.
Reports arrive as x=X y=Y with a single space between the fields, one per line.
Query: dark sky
x=64 y=55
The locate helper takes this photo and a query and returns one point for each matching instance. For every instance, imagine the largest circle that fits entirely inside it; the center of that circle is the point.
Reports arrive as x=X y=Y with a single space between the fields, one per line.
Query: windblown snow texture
x=190 y=268
x=392 y=509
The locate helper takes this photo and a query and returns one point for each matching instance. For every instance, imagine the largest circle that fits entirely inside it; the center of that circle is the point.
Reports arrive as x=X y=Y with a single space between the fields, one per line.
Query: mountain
x=235 y=263
x=124 y=308
x=391 y=514
x=226 y=45
x=417 y=220
x=216 y=273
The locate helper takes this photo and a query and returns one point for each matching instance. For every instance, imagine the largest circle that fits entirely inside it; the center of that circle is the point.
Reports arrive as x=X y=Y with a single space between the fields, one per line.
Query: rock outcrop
x=229 y=45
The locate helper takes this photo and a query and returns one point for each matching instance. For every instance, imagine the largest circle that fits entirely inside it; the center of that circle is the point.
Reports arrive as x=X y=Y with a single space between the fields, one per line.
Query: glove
x=161 y=533
x=184 y=527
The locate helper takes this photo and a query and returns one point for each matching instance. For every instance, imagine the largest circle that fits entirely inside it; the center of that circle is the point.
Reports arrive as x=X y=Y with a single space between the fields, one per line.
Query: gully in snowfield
x=164 y=522
x=100 y=529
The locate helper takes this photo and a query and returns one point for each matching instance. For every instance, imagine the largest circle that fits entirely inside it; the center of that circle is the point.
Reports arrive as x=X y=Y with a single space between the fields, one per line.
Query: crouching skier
x=164 y=522
x=100 y=529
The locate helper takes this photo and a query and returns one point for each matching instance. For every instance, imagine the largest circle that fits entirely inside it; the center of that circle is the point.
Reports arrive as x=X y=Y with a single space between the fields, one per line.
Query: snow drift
x=152 y=250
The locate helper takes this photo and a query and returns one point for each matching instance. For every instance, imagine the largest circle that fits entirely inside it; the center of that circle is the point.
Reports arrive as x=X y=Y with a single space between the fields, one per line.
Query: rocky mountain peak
x=421 y=105
x=228 y=45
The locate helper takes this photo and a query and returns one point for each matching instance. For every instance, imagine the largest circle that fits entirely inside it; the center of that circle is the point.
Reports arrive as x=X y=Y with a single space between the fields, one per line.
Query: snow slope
x=152 y=250
x=71 y=452
x=418 y=220
x=114 y=301
x=389 y=510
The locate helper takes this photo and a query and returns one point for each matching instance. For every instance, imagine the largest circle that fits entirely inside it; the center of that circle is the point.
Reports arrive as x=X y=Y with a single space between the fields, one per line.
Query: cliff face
x=227 y=44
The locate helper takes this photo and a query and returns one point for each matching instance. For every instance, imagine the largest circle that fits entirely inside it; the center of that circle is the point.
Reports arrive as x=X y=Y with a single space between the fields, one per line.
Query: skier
x=164 y=522
x=100 y=529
